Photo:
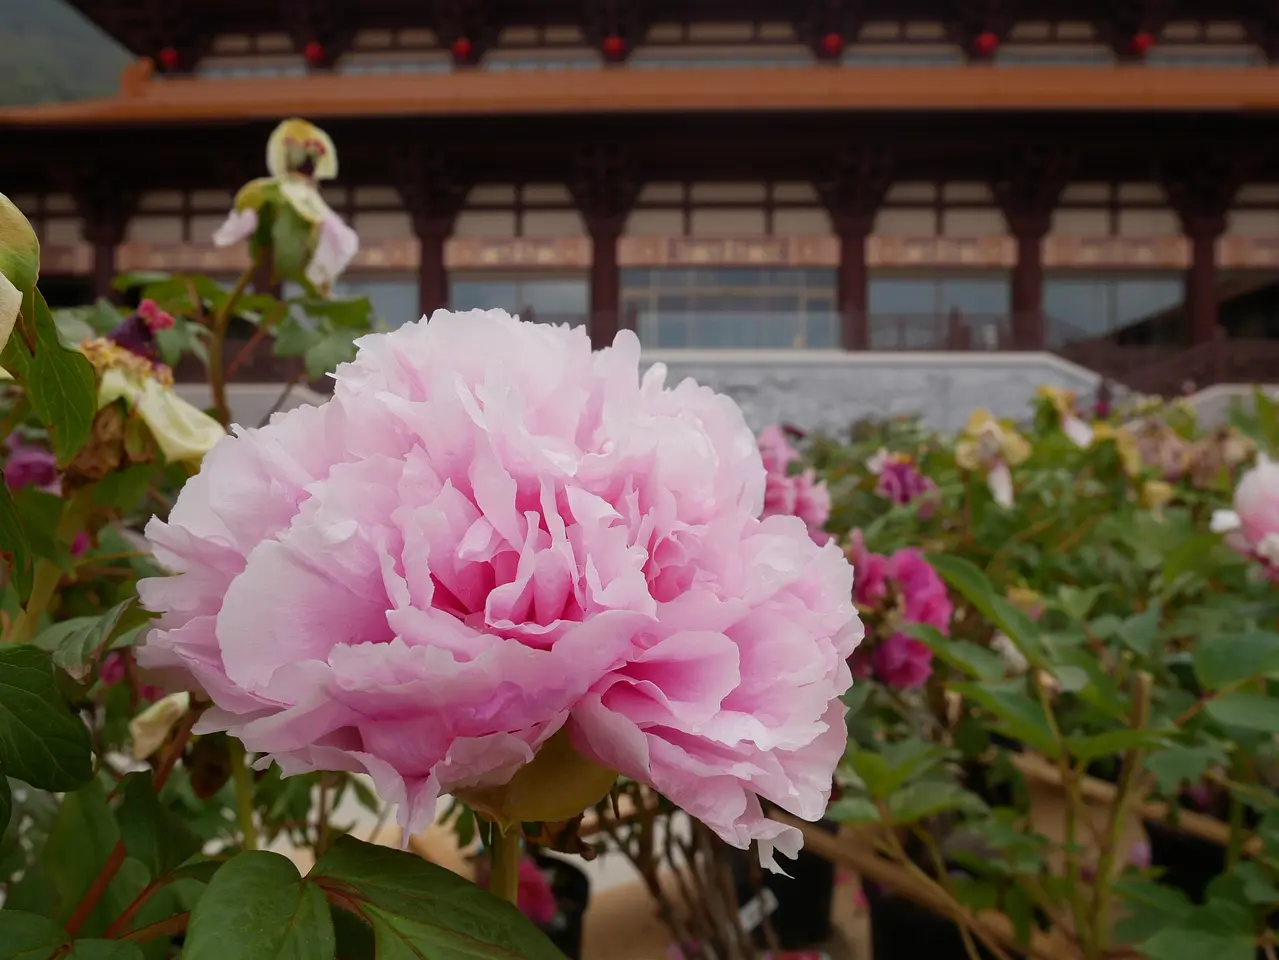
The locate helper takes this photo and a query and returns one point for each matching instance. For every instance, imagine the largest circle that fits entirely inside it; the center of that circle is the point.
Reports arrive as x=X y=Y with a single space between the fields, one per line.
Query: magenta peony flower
x=30 y=466
x=786 y=494
x=535 y=898
x=493 y=545
x=113 y=671
x=901 y=482
x=903 y=662
x=1252 y=527
x=918 y=595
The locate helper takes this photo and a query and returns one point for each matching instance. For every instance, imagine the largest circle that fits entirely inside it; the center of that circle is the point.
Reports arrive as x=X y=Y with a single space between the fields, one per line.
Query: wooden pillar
x=605 y=183
x=432 y=273
x=1201 y=188
x=434 y=189
x=105 y=209
x=606 y=283
x=1027 y=193
x=1201 y=301
x=1027 y=293
x=853 y=289
x=852 y=192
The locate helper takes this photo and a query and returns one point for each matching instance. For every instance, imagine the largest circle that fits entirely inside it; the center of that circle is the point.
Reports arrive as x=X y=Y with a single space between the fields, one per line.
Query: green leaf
x=1077 y=603
x=872 y=769
x=77 y=643
x=6 y=801
x=331 y=350
x=15 y=547
x=105 y=950
x=291 y=242
x=927 y=798
x=153 y=834
x=973 y=660
x=1087 y=749
x=418 y=906
x=1150 y=907
x=79 y=843
x=1175 y=766
x=853 y=810
x=1019 y=716
x=41 y=740
x=1181 y=943
x=59 y=382
x=969 y=581
x=25 y=936
x=353 y=314
x=1247 y=711
x=257 y=907
x=1226 y=660
x=1140 y=632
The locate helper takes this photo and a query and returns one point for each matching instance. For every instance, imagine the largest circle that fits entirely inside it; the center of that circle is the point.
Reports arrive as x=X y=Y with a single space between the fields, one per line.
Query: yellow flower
x=1155 y=494
x=1063 y=401
x=1125 y=445
x=992 y=448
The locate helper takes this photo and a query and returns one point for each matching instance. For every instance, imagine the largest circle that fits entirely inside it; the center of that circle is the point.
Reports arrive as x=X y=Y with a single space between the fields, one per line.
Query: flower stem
x=48 y=574
x=1124 y=800
x=243 y=795
x=217 y=329
x=504 y=853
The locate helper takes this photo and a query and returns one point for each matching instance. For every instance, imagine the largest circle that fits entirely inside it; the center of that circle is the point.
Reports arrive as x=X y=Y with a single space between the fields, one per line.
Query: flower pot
x=572 y=889
x=901 y=929
x=801 y=917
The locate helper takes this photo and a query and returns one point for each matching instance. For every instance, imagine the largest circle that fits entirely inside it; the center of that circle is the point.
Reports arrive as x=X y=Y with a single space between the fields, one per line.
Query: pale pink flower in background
x=335 y=247
x=1252 y=527
x=789 y=494
x=490 y=537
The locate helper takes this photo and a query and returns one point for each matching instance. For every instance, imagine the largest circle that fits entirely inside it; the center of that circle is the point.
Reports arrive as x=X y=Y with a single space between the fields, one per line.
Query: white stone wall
x=818 y=390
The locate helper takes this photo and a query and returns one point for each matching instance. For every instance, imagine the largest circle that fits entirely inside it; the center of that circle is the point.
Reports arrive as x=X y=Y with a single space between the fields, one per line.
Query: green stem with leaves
x=243 y=795
x=217 y=339
x=1126 y=796
x=504 y=854
x=47 y=574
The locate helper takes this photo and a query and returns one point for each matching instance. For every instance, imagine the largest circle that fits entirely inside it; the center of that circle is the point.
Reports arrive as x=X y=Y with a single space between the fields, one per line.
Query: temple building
x=1098 y=178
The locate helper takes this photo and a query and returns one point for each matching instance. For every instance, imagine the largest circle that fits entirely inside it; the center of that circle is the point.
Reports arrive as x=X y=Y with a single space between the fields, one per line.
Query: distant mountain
x=48 y=51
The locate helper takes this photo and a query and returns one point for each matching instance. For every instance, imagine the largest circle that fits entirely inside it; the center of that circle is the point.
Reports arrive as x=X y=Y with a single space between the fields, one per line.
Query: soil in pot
x=572 y=889
x=801 y=917
x=901 y=929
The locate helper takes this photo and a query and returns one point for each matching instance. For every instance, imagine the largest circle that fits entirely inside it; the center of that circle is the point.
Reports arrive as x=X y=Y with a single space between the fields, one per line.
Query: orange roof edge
x=148 y=98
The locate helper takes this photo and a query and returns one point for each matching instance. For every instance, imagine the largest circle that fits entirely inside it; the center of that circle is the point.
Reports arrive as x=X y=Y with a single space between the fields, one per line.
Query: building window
x=917 y=311
x=395 y=302
x=1083 y=307
x=563 y=299
x=731 y=307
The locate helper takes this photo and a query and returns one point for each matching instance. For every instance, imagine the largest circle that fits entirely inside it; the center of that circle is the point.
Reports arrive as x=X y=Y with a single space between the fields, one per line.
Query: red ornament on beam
x=170 y=59
x=986 y=43
x=462 y=48
x=614 y=47
x=314 y=53
x=1142 y=41
x=832 y=45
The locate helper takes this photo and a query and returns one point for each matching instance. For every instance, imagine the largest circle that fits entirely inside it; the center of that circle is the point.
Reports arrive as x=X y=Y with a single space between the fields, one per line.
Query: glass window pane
x=985 y=295
x=1076 y=309
x=1137 y=299
x=394 y=301
x=484 y=295
x=902 y=295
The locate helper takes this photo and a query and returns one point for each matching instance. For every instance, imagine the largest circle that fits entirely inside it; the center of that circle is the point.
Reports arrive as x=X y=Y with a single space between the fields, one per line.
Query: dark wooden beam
x=605 y=182
x=434 y=187
x=852 y=193
x=1027 y=191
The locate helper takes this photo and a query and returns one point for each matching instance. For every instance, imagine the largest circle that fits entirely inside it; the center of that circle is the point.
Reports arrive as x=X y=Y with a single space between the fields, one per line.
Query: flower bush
x=1107 y=662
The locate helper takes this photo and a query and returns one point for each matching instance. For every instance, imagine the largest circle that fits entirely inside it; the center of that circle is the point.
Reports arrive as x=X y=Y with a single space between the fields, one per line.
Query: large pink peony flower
x=491 y=539
x=1253 y=526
